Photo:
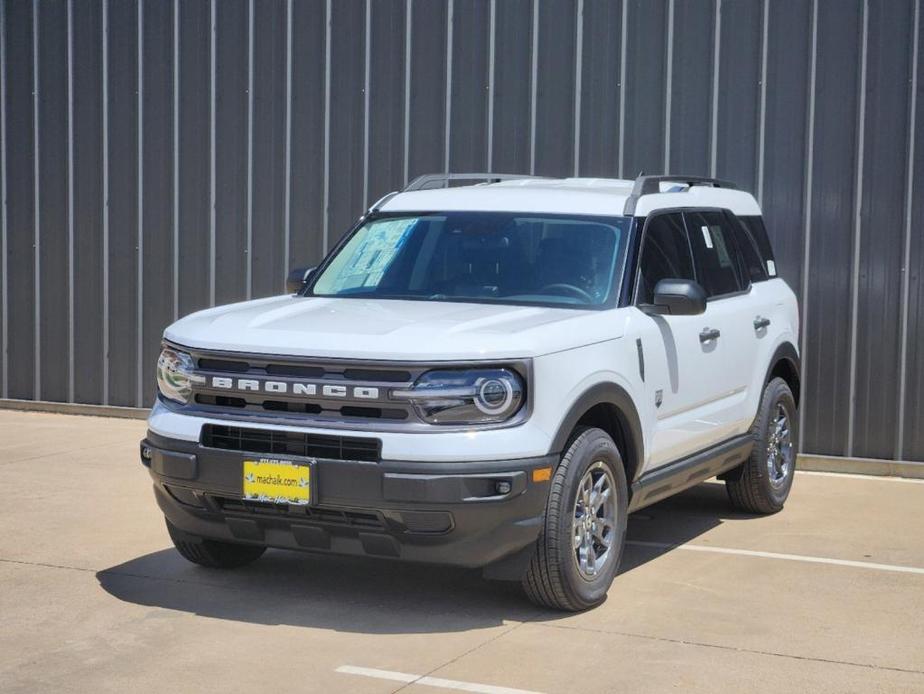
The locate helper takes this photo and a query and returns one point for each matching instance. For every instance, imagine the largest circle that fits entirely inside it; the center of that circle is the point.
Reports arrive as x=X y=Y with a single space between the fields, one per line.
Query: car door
x=727 y=322
x=685 y=375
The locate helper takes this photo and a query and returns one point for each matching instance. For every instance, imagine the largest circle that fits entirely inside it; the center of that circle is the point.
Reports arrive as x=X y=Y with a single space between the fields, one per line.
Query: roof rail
x=441 y=180
x=646 y=185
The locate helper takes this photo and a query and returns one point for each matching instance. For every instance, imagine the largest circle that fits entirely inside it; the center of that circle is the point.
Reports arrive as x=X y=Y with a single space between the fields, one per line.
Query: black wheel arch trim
x=608 y=394
x=786 y=352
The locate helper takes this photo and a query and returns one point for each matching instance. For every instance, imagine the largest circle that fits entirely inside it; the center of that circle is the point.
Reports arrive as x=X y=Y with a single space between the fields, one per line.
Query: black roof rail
x=441 y=180
x=646 y=185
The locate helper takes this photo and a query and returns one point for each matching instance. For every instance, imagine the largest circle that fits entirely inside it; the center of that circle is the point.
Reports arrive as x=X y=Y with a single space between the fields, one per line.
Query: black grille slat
x=378 y=375
x=295 y=370
x=320 y=514
x=220 y=401
x=305 y=445
x=223 y=365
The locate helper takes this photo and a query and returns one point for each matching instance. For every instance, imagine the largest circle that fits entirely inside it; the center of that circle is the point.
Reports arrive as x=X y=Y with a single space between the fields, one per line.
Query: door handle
x=709 y=334
x=760 y=323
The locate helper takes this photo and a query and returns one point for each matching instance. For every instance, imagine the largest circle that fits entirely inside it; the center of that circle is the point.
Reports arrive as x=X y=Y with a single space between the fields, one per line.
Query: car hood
x=394 y=330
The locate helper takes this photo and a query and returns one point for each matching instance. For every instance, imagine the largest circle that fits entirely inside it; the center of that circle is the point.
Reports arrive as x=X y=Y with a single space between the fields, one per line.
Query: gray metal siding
x=121 y=256
x=646 y=55
x=20 y=200
x=882 y=230
x=469 y=91
x=512 y=80
x=269 y=111
x=267 y=126
x=194 y=156
x=913 y=444
x=600 y=89
x=827 y=299
x=386 y=100
x=789 y=48
x=157 y=192
x=554 y=120
x=87 y=316
x=428 y=88
x=307 y=178
x=739 y=93
x=52 y=196
x=691 y=85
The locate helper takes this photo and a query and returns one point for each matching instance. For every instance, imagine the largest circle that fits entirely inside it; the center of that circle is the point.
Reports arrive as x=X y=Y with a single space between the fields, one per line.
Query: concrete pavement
x=94 y=598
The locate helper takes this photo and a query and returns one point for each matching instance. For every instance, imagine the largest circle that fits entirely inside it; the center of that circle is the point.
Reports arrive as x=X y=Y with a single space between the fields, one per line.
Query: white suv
x=489 y=375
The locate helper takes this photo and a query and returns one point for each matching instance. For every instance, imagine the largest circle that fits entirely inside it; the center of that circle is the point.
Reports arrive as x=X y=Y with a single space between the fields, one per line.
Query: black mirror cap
x=674 y=297
x=298 y=278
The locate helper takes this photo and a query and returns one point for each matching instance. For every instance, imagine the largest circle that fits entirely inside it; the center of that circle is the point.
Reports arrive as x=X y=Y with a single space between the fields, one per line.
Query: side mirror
x=298 y=278
x=678 y=298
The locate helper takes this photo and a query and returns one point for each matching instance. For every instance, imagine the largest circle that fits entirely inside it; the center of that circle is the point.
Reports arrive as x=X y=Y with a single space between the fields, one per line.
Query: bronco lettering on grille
x=296 y=388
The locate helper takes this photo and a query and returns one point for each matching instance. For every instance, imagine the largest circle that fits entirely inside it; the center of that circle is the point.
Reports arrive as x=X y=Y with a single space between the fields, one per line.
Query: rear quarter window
x=752 y=263
x=755 y=227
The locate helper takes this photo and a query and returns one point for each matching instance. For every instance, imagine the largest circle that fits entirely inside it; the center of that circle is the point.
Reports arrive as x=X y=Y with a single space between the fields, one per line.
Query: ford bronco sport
x=487 y=375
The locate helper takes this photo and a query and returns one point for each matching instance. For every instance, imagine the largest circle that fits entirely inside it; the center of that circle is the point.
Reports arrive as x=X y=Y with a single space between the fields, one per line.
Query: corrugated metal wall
x=159 y=156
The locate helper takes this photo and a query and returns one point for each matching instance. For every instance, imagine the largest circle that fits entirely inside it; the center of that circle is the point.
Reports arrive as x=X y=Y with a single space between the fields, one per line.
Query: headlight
x=479 y=396
x=175 y=375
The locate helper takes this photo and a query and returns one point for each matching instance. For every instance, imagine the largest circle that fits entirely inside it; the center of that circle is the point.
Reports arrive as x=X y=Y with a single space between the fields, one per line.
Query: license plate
x=277 y=481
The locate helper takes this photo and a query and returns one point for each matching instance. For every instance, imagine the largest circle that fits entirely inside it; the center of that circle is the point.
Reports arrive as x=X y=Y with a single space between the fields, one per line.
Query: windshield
x=499 y=257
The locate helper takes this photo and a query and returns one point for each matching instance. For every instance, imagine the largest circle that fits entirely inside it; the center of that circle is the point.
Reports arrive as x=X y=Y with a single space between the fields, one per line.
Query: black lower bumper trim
x=466 y=514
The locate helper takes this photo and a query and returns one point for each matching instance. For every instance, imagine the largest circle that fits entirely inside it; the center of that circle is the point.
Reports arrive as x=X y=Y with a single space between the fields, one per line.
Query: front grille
x=341 y=406
x=304 y=445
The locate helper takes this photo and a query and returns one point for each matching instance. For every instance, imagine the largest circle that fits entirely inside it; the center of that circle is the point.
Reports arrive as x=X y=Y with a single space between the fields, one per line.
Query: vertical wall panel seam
x=104 y=93
x=287 y=222
x=4 y=275
x=450 y=11
x=578 y=70
x=139 y=249
x=533 y=86
x=492 y=28
x=248 y=251
x=37 y=213
x=716 y=55
x=762 y=123
x=668 y=84
x=327 y=35
x=213 y=153
x=367 y=77
x=807 y=202
x=176 y=159
x=70 y=201
x=857 y=224
x=623 y=56
x=906 y=248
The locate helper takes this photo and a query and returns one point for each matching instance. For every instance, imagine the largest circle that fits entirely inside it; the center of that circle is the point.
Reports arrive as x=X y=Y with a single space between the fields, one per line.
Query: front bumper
x=446 y=513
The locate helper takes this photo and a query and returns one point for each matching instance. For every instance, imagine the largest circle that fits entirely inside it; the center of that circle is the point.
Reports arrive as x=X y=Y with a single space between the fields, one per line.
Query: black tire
x=753 y=487
x=212 y=554
x=553 y=578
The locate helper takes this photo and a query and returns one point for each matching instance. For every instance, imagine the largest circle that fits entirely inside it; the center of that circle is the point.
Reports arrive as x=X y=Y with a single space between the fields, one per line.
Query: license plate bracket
x=279 y=480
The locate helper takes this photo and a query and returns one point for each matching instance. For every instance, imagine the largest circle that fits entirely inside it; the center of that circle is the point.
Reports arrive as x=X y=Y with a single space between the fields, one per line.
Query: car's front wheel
x=213 y=554
x=581 y=542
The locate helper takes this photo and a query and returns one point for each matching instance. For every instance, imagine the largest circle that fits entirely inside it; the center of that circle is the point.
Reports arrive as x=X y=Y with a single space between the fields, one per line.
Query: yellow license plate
x=277 y=481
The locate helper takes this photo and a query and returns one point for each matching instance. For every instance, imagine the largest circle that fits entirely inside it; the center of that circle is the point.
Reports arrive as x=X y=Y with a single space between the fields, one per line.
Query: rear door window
x=715 y=253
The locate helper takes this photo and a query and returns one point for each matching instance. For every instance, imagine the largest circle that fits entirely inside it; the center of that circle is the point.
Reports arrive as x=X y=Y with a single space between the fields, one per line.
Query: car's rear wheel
x=581 y=542
x=762 y=483
x=213 y=554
